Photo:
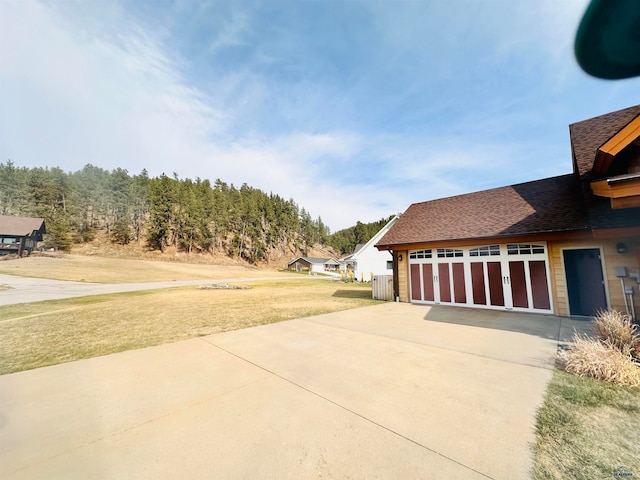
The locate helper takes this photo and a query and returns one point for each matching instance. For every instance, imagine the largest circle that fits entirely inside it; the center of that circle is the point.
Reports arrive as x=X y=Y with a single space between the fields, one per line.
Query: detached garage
x=557 y=245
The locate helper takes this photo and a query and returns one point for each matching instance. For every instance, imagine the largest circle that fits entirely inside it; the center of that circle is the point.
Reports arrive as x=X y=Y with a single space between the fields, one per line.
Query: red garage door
x=511 y=276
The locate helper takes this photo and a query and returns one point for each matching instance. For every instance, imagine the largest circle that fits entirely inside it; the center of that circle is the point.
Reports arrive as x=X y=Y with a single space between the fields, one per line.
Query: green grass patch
x=586 y=428
x=47 y=333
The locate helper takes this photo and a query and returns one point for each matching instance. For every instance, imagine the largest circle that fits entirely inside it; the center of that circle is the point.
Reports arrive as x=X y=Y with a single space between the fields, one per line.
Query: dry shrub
x=601 y=360
x=610 y=355
x=618 y=330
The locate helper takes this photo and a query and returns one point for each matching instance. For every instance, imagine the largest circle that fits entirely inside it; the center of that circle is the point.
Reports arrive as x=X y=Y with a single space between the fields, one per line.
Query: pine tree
x=161 y=209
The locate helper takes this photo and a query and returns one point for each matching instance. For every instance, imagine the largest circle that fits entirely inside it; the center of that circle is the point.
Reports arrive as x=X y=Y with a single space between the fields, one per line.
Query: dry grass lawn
x=47 y=333
x=586 y=429
x=116 y=270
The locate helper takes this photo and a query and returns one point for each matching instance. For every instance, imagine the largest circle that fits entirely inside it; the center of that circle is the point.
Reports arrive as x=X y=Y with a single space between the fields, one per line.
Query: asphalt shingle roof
x=589 y=135
x=601 y=215
x=548 y=205
x=20 y=226
x=586 y=138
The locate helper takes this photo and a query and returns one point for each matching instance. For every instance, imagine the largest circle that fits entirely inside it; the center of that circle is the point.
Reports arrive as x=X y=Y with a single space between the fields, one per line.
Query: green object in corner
x=608 y=39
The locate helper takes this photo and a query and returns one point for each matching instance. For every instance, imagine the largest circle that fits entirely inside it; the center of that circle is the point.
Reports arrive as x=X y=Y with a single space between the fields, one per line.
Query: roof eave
x=540 y=236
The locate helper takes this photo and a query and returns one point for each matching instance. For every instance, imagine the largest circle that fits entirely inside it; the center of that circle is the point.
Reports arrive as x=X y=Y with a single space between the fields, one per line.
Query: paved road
x=389 y=391
x=25 y=289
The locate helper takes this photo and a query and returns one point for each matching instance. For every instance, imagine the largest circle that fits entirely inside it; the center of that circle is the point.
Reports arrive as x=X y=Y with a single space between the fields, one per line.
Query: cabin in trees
x=566 y=245
x=20 y=235
x=315 y=265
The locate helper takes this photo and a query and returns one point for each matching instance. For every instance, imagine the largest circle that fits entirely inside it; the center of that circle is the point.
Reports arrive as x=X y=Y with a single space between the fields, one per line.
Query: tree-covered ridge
x=190 y=215
x=345 y=241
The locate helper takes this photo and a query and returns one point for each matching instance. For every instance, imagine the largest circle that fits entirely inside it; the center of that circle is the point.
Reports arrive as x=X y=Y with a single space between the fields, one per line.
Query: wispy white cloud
x=353 y=109
x=112 y=99
x=233 y=32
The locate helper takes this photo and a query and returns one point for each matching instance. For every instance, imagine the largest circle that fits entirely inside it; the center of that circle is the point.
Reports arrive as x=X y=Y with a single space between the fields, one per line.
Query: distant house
x=367 y=260
x=20 y=235
x=312 y=264
x=567 y=245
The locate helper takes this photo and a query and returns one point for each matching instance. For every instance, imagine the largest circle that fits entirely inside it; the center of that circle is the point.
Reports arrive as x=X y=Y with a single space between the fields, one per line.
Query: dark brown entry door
x=585 y=282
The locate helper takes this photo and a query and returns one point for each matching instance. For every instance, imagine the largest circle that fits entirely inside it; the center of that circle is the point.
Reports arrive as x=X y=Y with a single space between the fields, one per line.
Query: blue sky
x=354 y=108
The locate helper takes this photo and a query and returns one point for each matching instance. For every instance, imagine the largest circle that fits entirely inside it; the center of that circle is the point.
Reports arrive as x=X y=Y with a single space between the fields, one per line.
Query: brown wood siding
x=603 y=188
x=628 y=202
x=615 y=145
x=403 y=275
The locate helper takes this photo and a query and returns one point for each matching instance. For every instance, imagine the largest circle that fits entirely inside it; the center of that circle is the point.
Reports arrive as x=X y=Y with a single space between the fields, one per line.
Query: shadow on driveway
x=549 y=327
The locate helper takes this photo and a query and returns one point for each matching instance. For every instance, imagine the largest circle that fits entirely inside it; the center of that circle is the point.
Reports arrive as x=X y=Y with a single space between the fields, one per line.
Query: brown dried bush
x=601 y=360
x=618 y=330
x=610 y=355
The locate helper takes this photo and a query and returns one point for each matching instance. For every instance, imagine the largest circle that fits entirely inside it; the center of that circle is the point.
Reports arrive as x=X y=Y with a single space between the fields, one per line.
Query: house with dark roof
x=20 y=235
x=567 y=245
x=314 y=265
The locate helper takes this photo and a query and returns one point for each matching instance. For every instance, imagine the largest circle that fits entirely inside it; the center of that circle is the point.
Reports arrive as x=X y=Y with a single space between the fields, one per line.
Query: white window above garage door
x=450 y=252
x=485 y=251
x=524 y=249
x=420 y=254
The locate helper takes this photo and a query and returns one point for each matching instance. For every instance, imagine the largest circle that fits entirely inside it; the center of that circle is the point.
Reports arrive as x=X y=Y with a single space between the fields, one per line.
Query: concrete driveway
x=389 y=391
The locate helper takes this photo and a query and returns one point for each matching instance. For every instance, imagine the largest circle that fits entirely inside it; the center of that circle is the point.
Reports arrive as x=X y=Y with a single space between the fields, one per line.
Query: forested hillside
x=345 y=241
x=161 y=212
